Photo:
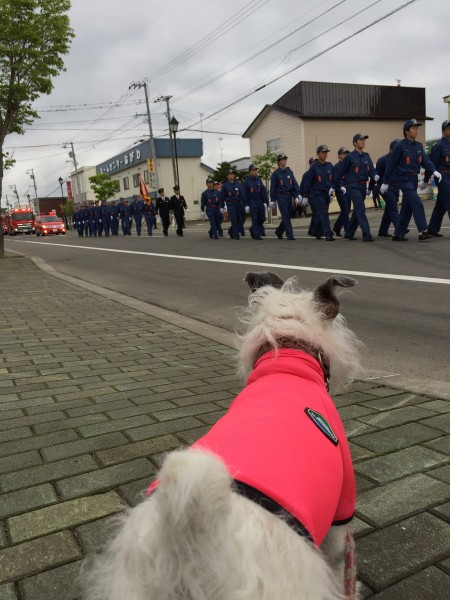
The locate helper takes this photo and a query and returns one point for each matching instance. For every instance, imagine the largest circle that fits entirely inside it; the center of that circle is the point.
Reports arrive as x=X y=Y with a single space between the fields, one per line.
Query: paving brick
x=117 y=425
x=48 y=472
x=440 y=406
x=427 y=584
x=400 y=499
x=192 y=435
x=38 y=555
x=441 y=444
x=91 y=408
x=14 y=413
x=36 y=442
x=137 y=450
x=355 y=428
x=8 y=592
x=351 y=398
x=445 y=565
x=383 y=391
x=30 y=420
x=397 y=401
x=17 y=433
x=363 y=484
x=104 y=479
x=354 y=411
x=159 y=429
x=57 y=584
x=442 y=511
x=3 y=541
x=83 y=446
x=359 y=453
x=360 y=528
x=398 y=416
x=52 y=406
x=399 y=464
x=148 y=408
x=65 y=515
x=21 y=501
x=73 y=423
x=407 y=547
x=396 y=438
x=185 y=411
x=443 y=473
x=93 y=536
x=441 y=422
x=135 y=492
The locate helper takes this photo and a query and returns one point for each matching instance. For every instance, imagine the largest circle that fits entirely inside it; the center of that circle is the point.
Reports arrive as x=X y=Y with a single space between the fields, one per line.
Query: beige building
x=314 y=113
x=81 y=188
x=447 y=100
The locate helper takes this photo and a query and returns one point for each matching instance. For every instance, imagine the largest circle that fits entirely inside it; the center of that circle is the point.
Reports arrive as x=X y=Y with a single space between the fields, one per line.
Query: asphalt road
x=400 y=308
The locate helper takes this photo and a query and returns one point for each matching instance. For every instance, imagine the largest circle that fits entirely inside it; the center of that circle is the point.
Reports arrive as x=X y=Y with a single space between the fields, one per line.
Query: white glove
x=384 y=188
x=423 y=185
x=343 y=190
x=222 y=210
x=247 y=210
x=186 y=209
x=272 y=204
x=368 y=192
x=299 y=201
x=438 y=176
x=331 y=192
x=376 y=178
x=204 y=214
x=304 y=202
x=160 y=220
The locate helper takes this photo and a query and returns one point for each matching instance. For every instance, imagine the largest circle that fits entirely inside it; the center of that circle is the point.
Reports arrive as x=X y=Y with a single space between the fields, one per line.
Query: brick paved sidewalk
x=93 y=392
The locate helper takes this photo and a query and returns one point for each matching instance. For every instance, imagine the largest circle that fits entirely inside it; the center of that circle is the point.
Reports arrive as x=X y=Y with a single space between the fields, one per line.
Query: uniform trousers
x=442 y=204
x=357 y=194
x=390 y=214
x=285 y=206
x=411 y=207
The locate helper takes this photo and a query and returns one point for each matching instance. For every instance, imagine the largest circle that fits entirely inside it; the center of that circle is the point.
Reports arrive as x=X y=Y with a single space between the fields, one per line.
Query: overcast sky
x=202 y=53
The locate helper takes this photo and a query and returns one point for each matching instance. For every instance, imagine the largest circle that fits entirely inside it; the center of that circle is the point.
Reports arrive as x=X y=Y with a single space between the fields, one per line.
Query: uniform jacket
x=136 y=208
x=407 y=158
x=283 y=436
x=283 y=184
x=210 y=199
x=178 y=204
x=231 y=192
x=319 y=178
x=163 y=206
x=254 y=190
x=356 y=167
x=440 y=157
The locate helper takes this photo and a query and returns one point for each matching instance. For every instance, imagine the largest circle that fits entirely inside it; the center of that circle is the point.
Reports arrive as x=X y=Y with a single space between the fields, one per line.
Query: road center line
x=254 y=264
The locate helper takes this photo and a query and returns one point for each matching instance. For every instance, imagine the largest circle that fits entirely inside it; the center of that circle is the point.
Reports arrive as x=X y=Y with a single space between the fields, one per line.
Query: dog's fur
x=194 y=538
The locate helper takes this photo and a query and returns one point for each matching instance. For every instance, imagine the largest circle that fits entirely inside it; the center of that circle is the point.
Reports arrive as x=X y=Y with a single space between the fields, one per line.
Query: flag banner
x=143 y=189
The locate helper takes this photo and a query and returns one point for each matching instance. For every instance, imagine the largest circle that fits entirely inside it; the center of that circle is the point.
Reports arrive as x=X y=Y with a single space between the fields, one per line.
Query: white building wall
x=81 y=187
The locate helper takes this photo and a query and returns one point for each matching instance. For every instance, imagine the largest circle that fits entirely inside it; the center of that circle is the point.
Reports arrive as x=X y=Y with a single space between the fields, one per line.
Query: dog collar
x=303 y=346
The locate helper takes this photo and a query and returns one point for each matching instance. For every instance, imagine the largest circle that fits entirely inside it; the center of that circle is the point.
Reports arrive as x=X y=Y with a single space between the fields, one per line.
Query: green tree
x=34 y=36
x=266 y=164
x=220 y=174
x=67 y=210
x=103 y=186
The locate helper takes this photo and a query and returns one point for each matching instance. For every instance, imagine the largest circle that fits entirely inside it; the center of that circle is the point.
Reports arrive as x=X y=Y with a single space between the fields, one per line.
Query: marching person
x=92 y=221
x=231 y=193
x=317 y=185
x=125 y=216
x=178 y=205
x=210 y=205
x=136 y=213
x=148 y=210
x=97 y=216
x=408 y=157
x=85 y=214
x=440 y=156
x=343 y=199
x=283 y=187
x=114 y=214
x=163 y=209
x=315 y=228
x=390 y=197
x=78 y=221
x=105 y=214
x=255 y=196
x=357 y=168
x=217 y=188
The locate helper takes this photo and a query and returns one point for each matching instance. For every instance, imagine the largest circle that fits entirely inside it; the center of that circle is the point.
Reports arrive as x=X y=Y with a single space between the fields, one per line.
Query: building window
x=126 y=183
x=274 y=145
x=146 y=177
x=118 y=184
x=136 y=180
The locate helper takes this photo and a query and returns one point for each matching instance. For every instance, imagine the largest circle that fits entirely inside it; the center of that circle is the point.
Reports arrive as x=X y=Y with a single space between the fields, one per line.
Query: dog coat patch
x=320 y=422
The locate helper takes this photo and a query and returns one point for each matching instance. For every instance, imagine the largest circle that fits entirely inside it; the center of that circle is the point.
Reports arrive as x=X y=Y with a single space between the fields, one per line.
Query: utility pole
x=35 y=188
x=138 y=85
x=166 y=99
x=14 y=189
x=74 y=160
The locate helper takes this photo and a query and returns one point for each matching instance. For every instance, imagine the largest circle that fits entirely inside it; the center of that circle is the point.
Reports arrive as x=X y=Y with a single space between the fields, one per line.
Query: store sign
x=129 y=158
x=69 y=191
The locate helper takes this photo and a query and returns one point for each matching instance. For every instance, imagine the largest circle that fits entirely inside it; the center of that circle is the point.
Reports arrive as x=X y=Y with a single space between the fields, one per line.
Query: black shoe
x=397 y=238
x=291 y=238
x=383 y=235
x=434 y=233
x=330 y=238
x=350 y=239
x=371 y=239
x=279 y=236
x=337 y=233
x=425 y=236
x=318 y=237
x=257 y=238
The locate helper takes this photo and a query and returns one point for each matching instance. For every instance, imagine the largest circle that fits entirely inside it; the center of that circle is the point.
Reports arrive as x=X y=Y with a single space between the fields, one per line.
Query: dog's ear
x=325 y=294
x=257 y=280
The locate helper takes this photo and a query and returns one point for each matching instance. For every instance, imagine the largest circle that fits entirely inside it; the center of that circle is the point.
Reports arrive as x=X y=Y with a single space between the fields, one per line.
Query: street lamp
x=173 y=127
x=29 y=201
x=61 y=181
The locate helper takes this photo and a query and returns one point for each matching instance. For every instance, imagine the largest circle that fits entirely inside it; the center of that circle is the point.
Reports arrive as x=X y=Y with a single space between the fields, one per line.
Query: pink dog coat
x=283 y=436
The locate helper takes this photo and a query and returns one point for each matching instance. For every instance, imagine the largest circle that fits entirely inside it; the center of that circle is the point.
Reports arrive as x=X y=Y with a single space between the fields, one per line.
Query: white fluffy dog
x=258 y=508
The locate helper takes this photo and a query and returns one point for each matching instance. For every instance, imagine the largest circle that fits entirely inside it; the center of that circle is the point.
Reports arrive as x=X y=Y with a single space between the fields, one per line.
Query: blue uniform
x=211 y=204
x=255 y=196
x=283 y=187
x=85 y=216
x=114 y=210
x=344 y=204
x=231 y=193
x=97 y=216
x=390 y=214
x=357 y=168
x=440 y=156
x=105 y=212
x=317 y=184
x=125 y=217
x=149 y=212
x=78 y=221
x=404 y=165
x=92 y=222
x=136 y=212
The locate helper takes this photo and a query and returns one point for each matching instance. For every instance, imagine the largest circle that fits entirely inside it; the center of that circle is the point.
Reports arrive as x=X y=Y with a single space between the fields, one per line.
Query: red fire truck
x=19 y=220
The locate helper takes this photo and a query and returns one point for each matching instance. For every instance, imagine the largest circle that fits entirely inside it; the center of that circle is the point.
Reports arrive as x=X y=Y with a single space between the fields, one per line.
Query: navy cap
x=160 y=190
x=445 y=124
x=311 y=160
x=343 y=150
x=394 y=143
x=410 y=122
x=253 y=168
x=217 y=183
x=231 y=171
x=209 y=180
x=176 y=187
x=322 y=148
x=359 y=136
x=281 y=156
